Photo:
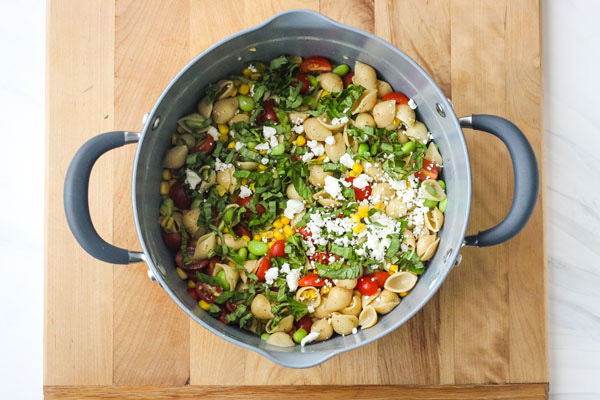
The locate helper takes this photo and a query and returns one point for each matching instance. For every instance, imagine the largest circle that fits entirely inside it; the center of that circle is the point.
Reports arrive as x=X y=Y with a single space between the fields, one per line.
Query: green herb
x=338 y=270
x=211 y=280
x=184 y=254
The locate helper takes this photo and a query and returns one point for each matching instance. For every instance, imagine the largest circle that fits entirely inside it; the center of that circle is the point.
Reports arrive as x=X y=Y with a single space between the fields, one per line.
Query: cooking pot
x=303 y=33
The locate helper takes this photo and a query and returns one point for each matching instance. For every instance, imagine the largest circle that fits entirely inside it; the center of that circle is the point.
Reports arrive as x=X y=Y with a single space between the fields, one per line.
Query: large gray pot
x=302 y=33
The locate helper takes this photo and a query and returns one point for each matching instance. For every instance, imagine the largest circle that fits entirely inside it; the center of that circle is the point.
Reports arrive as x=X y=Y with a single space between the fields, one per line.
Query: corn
x=270 y=244
x=278 y=235
x=247 y=72
x=231 y=145
x=379 y=206
x=244 y=181
x=166 y=174
x=357 y=168
x=180 y=130
x=285 y=220
x=244 y=89
x=235 y=91
x=267 y=235
x=252 y=187
x=257 y=237
x=172 y=181
x=393 y=268
x=169 y=223
x=223 y=129
x=324 y=289
x=221 y=190
x=359 y=228
x=231 y=264
x=181 y=273
x=263 y=152
x=300 y=141
x=174 y=138
x=363 y=211
x=225 y=229
x=191 y=284
x=320 y=158
x=355 y=218
x=223 y=137
x=277 y=224
x=308 y=294
x=255 y=76
x=402 y=294
x=246 y=238
x=262 y=167
x=353 y=174
x=204 y=305
x=288 y=230
x=325 y=93
x=164 y=187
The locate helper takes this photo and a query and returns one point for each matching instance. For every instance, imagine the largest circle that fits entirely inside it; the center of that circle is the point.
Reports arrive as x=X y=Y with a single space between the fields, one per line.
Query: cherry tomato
x=277 y=249
x=207 y=145
x=429 y=171
x=194 y=265
x=263 y=266
x=360 y=194
x=206 y=293
x=304 y=81
x=244 y=201
x=241 y=230
x=260 y=209
x=347 y=79
x=367 y=285
x=222 y=317
x=313 y=280
x=315 y=64
x=304 y=323
x=381 y=277
x=398 y=97
x=172 y=240
x=268 y=113
x=179 y=196
x=192 y=292
x=305 y=232
x=214 y=260
x=322 y=258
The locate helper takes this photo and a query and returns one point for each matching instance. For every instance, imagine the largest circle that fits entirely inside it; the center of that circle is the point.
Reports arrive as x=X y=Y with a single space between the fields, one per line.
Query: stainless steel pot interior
x=302 y=33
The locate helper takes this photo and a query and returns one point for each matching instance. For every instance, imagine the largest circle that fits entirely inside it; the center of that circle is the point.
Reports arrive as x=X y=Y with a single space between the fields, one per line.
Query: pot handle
x=75 y=198
x=526 y=178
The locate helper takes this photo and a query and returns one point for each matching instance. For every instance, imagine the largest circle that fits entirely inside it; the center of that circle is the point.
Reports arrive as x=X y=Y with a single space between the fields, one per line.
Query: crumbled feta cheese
x=318 y=150
x=361 y=182
x=298 y=129
x=412 y=104
x=212 y=131
x=264 y=161
x=273 y=141
x=252 y=68
x=332 y=186
x=310 y=308
x=292 y=279
x=262 y=146
x=330 y=140
x=354 y=331
x=238 y=146
x=192 y=178
x=307 y=157
x=311 y=337
x=221 y=166
x=271 y=275
x=347 y=160
x=285 y=268
x=339 y=121
x=245 y=192
x=269 y=131
x=292 y=208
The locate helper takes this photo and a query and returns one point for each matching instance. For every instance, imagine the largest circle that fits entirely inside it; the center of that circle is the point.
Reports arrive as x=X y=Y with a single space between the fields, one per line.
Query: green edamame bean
x=374 y=148
x=442 y=184
x=362 y=149
x=222 y=280
x=258 y=248
x=443 y=204
x=341 y=70
x=264 y=336
x=313 y=81
x=246 y=103
x=252 y=257
x=426 y=203
x=166 y=208
x=278 y=150
x=408 y=147
x=194 y=124
x=196 y=203
x=243 y=253
x=252 y=145
x=299 y=335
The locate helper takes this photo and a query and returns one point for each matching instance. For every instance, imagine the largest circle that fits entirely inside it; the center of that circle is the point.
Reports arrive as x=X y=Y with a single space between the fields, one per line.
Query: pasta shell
x=242 y=284
x=364 y=119
x=315 y=130
x=408 y=239
x=325 y=199
x=292 y=193
x=381 y=192
x=239 y=118
x=231 y=273
x=205 y=107
x=261 y=307
x=426 y=246
x=365 y=102
x=227 y=89
x=226 y=179
x=346 y=283
x=175 y=157
x=338 y=298
x=343 y=324
x=367 y=300
x=383 y=88
x=384 y=113
x=386 y=302
x=354 y=307
x=297 y=218
x=205 y=245
x=317 y=176
x=327 y=123
x=323 y=328
x=405 y=114
x=396 y=208
x=224 y=110
x=246 y=165
x=418 y=132
x=193 y=123
x=365 y=76
x=285 y=325
x=190 y=220
x=367 y=317
x=349 y=141
x=187 y=139
x=331 y=82
x=433 y=155
x=432 y=184
x=280 y=339
x=297 y=118
x=401 y=281
x=321 y=312
x=309 y=296
x=373 y=170
x=434 y=219
x=209 y=178
x=233 y=243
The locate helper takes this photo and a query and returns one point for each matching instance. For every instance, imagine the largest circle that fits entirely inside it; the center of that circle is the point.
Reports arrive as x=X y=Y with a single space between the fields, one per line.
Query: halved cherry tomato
x=305 y=232
x=347 y=79
x=241 y=230
x=304 y=82
x=172 y=240
x=206 y=293
x=429 y=171
x=207 y=145
x=360 y=194
x=277 y=249
x=367 y=285
x=222 y=317
x=315 y=64
x=399 y=97
x=244 y=201
x=314 y=280
x=263 y=266
x=192 y=292
x=319 y=257
x=212 y=262
x=268 y=113
x=179 y=196
x=260 y=209
x=381 y=277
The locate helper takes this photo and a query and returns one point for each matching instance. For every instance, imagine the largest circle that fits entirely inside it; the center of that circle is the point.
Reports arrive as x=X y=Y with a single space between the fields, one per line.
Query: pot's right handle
x=526 y=178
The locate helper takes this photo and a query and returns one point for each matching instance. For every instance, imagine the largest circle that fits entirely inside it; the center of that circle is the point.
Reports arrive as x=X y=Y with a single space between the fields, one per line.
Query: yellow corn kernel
x=278 y=235
x=247 y=72
x=320 y=158
x=180 y=130
x=164 y=187
x=235 y=91
x=324 y=289
x=355 y=218
x=359 y=228
x=277 y=224
x=325 y=93
x=231 y=145
x=270 y=244
x=288 y=230
x=353 y=174
x=363 y=211
x=308 y=294
x=285 y=220
x=402 y=294
x=262 y=167
x=204 y=305
x=191 y=284
x=396 y=122
x=166 y=174
x=169 y=223
x=244 y=89
x=257 y=237
x=223 y=137
x=221 y=190
x=263 y=152
x=300 y=141
x=231 y=264
x=357 y=168
x=225 y=229
x=223 y=129
x=393 y=268
x=379 y=206
x=246 y=238
x=252 y=187
x=407 y=184
x=181 y=273
x=244 y=181
x=267 y=235
x=255 y=76
x=172 y=181
x=174 y=138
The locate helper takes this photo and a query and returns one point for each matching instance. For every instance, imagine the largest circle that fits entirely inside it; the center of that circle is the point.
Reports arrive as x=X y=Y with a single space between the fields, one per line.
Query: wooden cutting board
x=111 y=332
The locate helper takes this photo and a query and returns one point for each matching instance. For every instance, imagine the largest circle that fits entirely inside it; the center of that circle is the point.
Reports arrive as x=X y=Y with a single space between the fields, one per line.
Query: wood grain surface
x=107 y=63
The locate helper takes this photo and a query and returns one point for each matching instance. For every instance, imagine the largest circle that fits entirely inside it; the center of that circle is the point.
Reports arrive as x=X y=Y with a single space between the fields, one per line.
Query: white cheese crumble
x=269 y=131
x=292 y=279
x=262 y=146
x=264 y=161
x=354 y=331
x=412 y=104
x=316 y=148
x=292 y=208
x=238 y=146
x=311 y=337
x=347 y=160
x=307 y=157
x=221 y=166
x=330 y=140
x=339 y=121
x=298 y=129
x=212 y=131
x=361 y=182
x=271 y=275
x=245 y=192
x=332 y=186
x=192 y=178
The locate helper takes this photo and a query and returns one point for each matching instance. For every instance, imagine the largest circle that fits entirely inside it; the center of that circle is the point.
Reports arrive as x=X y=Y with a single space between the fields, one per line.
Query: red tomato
x=172 y=240
x=260 y=209
x=304 y=81
x=322 y=258
x=360 y=194
x=241 y=230
x=268 y=113
x=315 y=64
x=263 y=266
x=212 y=262
x=222 y=317
x=347 y=79
x=367 y=285
x=399 y=97
x=205 y=292
x=305 y=323
x=381 y=277
x=429 y=171
x=179 y=197
x=193 y=293
x=207 y=145
x=277 y=249
x=305 y=232
x=313 y=280
x=244 y=201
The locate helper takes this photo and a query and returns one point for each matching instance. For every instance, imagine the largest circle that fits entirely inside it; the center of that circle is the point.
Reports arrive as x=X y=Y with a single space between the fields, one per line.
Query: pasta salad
x=301 y=199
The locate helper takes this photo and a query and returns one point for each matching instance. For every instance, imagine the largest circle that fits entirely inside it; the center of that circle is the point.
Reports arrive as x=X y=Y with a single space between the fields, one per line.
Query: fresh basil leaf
x=344 y=252
x=337 y=270
x=394 y=247
x=278 y=62
x=297 y=309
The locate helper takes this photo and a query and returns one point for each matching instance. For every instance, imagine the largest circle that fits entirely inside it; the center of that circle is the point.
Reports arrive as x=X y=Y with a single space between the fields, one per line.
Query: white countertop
x=571 y=35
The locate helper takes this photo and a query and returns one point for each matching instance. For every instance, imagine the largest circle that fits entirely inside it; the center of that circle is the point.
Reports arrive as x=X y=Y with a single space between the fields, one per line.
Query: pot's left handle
x=75 y=198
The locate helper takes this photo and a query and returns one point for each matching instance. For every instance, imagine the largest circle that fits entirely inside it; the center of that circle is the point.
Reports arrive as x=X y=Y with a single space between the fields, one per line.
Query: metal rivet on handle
x=145 y=118
x=440 y=110
x=151 y=275
x=458 y=260
x=447 y=255
x=156 y=123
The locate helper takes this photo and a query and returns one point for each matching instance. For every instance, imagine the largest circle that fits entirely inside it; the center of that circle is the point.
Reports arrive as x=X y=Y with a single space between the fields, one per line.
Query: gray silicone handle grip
x=526 y=178
x=75 y=198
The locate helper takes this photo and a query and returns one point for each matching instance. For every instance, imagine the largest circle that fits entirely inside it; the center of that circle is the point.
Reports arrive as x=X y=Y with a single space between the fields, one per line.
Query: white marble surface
x=571 y=34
